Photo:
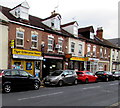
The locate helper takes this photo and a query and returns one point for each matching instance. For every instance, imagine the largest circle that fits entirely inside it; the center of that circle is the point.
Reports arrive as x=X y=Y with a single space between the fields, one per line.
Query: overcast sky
x=98 y=13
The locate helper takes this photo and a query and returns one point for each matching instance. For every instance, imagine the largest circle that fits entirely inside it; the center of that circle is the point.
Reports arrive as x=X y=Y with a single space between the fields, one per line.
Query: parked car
x=86 y=76
x=12 y=79
x=116 y=75
x=61 y=77
x=105 y=75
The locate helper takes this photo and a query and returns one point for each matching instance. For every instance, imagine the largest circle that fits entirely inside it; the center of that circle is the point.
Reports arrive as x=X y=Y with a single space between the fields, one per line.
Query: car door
x=24 y=77
x=66 y=77
x=89 y=76
x=72 y=76
x=92 y=77
x=15 y=78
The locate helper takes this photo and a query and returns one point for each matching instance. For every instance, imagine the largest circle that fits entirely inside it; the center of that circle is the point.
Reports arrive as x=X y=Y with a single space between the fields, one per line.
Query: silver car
x=61 y=77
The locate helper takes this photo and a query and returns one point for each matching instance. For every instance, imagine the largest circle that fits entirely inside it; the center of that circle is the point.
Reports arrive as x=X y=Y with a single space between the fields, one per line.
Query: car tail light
x=104 y=74
x=1 y=74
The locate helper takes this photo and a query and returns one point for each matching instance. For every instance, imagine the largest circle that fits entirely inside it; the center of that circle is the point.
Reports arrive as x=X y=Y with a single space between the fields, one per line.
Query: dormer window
x=54 y=21
x=21 y=11
x=75 y=30
x=71 y=27
x=91 y=35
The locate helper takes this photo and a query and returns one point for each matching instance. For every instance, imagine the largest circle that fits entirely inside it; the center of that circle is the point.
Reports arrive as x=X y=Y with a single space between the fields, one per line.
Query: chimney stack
x=99 y=33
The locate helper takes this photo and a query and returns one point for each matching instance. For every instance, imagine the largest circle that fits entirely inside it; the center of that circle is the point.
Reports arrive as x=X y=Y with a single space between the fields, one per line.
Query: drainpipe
x=111 y=60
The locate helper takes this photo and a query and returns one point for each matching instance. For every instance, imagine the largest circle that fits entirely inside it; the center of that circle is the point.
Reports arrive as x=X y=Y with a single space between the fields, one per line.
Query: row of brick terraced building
x=41 y=46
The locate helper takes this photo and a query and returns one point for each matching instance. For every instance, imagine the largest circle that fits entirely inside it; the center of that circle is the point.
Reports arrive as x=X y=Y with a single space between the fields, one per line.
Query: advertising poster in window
x=28 y=66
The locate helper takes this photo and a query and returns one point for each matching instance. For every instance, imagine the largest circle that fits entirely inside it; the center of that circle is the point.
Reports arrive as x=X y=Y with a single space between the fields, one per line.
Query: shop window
x=28 y=66
x=17 y=65
x=72 y=46
x=34 y=39
x=20 y=39
x=80 y=49
x=50 y=43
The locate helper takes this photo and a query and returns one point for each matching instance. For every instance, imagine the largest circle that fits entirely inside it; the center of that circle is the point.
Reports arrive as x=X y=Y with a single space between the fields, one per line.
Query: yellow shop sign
x=79 y=58
x=26 y=52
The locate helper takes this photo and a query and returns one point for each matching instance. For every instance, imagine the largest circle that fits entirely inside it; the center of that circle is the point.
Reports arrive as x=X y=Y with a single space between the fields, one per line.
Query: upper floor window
x=88 y=50
x=19 y=38
x=117 y=57
x=60 y=42
x=75 y=30
x=52 y=23
x=34 y=39
x=113 y=54
x=80 y=49
x=50 y=43
x=101 y=53
x=72 y=46
x=105 y=51
x=94 y=51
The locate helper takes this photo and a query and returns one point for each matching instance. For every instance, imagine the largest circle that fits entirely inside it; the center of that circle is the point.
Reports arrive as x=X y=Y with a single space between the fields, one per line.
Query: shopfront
x=103 y=65
x=77 y=63
x=92 y=64
x=52 y=63
x=27 y=60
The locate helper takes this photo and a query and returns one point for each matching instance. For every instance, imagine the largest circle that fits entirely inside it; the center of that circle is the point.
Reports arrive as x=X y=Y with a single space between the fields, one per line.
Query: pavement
x=94 y=95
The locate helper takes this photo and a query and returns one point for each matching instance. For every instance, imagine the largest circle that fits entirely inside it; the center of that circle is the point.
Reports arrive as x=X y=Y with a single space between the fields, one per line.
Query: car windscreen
x=116 y=72
x=100 y=72
x=56 y=73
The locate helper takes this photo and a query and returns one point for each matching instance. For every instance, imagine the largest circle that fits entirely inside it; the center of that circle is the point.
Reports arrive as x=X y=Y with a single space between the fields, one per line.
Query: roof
x=89 y=28
x=70 y=23
x=115 y=41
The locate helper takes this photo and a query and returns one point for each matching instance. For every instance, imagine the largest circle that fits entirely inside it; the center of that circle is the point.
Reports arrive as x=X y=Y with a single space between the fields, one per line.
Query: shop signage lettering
x=26 y=52
x=79 y=58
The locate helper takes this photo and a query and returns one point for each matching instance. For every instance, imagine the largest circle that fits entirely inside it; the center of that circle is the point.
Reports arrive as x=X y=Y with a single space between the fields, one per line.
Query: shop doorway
x=50 y=65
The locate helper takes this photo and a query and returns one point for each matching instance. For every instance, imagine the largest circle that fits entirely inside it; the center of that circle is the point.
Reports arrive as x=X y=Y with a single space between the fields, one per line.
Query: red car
x=86 y=76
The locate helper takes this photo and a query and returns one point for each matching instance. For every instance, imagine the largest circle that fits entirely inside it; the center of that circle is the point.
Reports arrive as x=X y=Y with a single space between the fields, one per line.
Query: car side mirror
x=63 y=75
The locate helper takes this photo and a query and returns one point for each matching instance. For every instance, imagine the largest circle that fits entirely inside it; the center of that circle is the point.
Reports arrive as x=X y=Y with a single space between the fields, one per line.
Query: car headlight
x=115 y=75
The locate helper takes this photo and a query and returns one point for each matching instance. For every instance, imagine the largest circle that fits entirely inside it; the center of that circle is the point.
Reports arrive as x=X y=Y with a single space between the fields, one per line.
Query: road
x=92 y=94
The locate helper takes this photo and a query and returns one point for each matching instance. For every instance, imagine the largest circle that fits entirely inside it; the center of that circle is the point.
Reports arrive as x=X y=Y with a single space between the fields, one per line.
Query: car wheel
x=76 y=82
x=36 y=86
x=7 y=88
x=60 y=83
x=119 y=78
x=86 y=81
x=113 y=79
x=107 y=79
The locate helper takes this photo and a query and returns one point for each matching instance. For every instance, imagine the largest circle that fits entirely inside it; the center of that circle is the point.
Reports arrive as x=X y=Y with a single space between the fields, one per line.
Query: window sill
x=34 y=48
x=49 y=50
x=20 y=46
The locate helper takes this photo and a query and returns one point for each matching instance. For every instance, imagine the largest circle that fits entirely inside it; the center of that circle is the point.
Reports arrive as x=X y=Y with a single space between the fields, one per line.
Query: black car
x=105 y=75
x=116 y=74
x=12 y=78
